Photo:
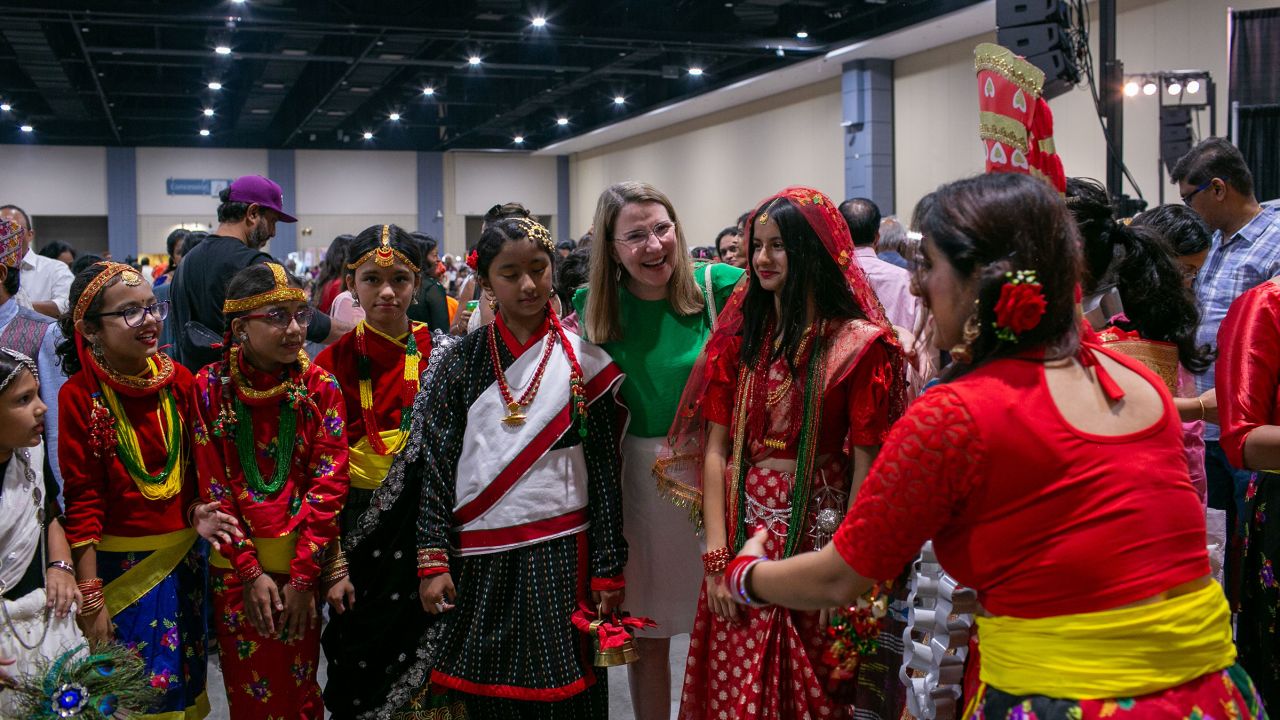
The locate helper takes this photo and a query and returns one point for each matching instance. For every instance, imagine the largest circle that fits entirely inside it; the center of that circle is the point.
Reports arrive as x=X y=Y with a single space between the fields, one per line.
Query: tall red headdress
x=1014 y=121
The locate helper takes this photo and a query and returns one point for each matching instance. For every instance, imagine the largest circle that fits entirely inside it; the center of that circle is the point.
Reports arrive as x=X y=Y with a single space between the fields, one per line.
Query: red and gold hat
x=1008 y=88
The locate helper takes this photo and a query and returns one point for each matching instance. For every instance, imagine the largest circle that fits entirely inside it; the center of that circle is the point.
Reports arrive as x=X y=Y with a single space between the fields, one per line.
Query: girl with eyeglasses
x=271 y=448
x=130 y=484
x=370 y=578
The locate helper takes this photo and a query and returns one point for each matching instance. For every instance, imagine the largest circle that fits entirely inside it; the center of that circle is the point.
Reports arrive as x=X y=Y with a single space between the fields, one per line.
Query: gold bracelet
x=1202 y=410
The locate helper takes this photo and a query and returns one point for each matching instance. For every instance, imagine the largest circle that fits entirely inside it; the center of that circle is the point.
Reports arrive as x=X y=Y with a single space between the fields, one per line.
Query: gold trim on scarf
x=166 y=552
x=274 y=554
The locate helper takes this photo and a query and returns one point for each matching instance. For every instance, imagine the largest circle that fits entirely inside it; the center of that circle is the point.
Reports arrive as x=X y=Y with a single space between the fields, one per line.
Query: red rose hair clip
x=1021 y=305
x=473 y=260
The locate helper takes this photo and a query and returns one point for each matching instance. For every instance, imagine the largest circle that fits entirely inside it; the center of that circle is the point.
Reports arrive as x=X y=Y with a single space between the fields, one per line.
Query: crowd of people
x=466 y=482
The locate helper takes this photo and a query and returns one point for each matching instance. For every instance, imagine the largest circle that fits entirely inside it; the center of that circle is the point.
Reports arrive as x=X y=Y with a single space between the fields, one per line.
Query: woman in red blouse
x=1249 y=406
x=802 y=378
x=129 y=482
x=372 y=580
x=271 y=447
x=1094 y=578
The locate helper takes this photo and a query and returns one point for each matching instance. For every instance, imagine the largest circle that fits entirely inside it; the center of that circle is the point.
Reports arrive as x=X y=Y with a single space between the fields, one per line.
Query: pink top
x=892 y=285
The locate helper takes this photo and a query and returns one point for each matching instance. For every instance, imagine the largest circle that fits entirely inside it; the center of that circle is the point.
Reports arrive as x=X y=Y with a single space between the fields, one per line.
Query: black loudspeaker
x=1039 y=31
x=1176 y=137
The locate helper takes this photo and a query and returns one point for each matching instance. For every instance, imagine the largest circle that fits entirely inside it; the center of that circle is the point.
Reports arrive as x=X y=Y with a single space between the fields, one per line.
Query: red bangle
x=302 y=585
x=736 y=578
x=606 y=584
x=714 y=562
x=432 y=571
x=249 y=574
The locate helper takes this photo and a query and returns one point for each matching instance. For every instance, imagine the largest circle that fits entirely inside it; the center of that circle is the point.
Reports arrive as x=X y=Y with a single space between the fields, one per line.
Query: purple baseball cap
x=261 y=191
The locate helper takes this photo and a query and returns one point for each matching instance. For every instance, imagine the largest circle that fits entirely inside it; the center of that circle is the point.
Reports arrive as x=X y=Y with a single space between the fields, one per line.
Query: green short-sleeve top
x=658 y=348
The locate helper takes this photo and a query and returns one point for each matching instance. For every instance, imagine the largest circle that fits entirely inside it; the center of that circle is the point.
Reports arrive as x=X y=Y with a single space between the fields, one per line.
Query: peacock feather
x=93 y=686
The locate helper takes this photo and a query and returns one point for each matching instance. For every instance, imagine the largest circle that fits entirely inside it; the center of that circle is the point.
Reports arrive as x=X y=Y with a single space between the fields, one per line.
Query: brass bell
x=613 y=657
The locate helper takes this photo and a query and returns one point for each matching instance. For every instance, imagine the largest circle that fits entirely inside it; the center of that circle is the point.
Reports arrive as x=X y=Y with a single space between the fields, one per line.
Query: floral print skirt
x=1222 y=695
x=266 y=677
x=1259 y=592
x=166 y=628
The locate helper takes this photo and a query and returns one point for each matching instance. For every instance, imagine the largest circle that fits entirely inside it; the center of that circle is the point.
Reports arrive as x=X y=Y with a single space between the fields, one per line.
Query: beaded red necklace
x=578 y=405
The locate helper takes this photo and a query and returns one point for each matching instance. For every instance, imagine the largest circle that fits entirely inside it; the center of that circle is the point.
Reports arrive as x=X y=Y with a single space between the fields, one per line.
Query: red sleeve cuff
x=610 y=583
x=432 y=571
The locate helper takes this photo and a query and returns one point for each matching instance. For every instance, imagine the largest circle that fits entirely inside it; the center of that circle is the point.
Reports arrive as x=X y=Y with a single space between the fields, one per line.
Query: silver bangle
x=62 y=565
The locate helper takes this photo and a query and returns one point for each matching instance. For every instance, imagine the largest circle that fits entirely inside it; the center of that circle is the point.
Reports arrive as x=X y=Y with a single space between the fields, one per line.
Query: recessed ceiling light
x=474 y=59
x=208 y=112
x=619 y=100
x=562 y=121
x=695 y=71
x=518 y=139
x=222 y=50
x=6 y=107
x=394 y=117
x=802 y=35
x=204 y=132
x=428 y=90
x=368 y=136
x=238 y=2
x=539 y=22
x=26 y=128
x=215 y=85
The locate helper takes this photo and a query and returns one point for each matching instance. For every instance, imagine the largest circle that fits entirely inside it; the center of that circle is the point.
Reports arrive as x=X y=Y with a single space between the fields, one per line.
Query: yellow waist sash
x=166 y=552
x=1110 y=654
x=367 y=468
x=274 y=554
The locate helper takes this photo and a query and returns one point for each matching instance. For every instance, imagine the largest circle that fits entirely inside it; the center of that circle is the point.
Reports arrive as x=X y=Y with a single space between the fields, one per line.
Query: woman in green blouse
x=652 y=310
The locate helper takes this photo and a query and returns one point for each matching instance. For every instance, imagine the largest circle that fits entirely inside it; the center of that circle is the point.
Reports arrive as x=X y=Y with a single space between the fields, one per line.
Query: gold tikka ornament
x=384 y=255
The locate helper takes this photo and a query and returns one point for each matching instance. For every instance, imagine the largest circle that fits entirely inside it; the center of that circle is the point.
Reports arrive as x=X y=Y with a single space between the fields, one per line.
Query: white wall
x=717 y=167
x=346 y=191
x=156 y=165
x=54 y=179
x=936 y=104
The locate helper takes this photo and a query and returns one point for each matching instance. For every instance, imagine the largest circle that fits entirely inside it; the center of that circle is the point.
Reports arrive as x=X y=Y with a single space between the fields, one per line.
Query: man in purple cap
x=247 y=216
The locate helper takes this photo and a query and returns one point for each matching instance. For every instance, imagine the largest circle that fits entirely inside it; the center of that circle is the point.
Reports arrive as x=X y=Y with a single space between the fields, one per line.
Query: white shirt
x=893 y=286
x=44 y=280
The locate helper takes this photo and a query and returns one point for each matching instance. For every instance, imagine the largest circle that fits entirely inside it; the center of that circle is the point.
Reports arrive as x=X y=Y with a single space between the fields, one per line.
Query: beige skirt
x=27 y=617
x=664 y=561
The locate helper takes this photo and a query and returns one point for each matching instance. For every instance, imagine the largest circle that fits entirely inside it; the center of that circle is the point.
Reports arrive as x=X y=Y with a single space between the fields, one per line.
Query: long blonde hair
x=603 y=324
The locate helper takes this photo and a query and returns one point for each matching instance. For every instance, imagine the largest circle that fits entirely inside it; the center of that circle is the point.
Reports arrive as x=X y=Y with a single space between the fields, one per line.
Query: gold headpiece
x=110 y=271
x=384 y=255
x=282 y=292
x=535 y=231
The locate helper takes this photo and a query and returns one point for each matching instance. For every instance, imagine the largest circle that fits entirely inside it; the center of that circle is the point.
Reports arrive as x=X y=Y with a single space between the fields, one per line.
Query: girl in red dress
x=271 y=447
x=802 y=378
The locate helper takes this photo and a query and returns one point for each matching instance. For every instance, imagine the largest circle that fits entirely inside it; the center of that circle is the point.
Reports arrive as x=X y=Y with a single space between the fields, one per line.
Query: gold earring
x=493 y=304
x=964 y=351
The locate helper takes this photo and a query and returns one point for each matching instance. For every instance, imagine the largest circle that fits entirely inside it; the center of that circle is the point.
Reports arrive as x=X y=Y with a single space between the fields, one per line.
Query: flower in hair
x=473 y=260
x=1021 y=305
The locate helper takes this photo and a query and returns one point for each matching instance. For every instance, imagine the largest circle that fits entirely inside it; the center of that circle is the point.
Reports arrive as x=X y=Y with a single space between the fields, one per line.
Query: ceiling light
x=6 y=107
x=222 y=50
x=368 y=136
x=474 y=60
x=428 y=90
x=539 y=22
x=562 y=121
x=802 y=35
x=518 y=139
x=208 y=112
x=1175 y=88
x=619 y=100
x=238 y=2
x=394 y=117
x=695 y=71
x=204 y=132
x=1149 y=88
x=1131 y=88
x=215 y=85
x=1193 y=87
x=26 y=128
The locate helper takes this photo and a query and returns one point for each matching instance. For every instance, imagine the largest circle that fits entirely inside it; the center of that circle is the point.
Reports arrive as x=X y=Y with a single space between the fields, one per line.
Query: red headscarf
x=679 y=468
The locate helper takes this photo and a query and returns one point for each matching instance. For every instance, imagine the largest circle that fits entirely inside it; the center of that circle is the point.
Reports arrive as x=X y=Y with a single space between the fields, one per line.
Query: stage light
x=1193 y=87
x=1175 y=87
x=1131 y=88
x=1149 y=88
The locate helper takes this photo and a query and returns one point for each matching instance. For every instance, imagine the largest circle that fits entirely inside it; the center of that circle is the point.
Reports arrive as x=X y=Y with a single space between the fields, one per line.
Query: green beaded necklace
x=282 y=455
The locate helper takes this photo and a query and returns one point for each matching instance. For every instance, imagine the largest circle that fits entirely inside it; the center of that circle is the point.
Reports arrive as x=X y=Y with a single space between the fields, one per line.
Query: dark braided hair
x=68 y=356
